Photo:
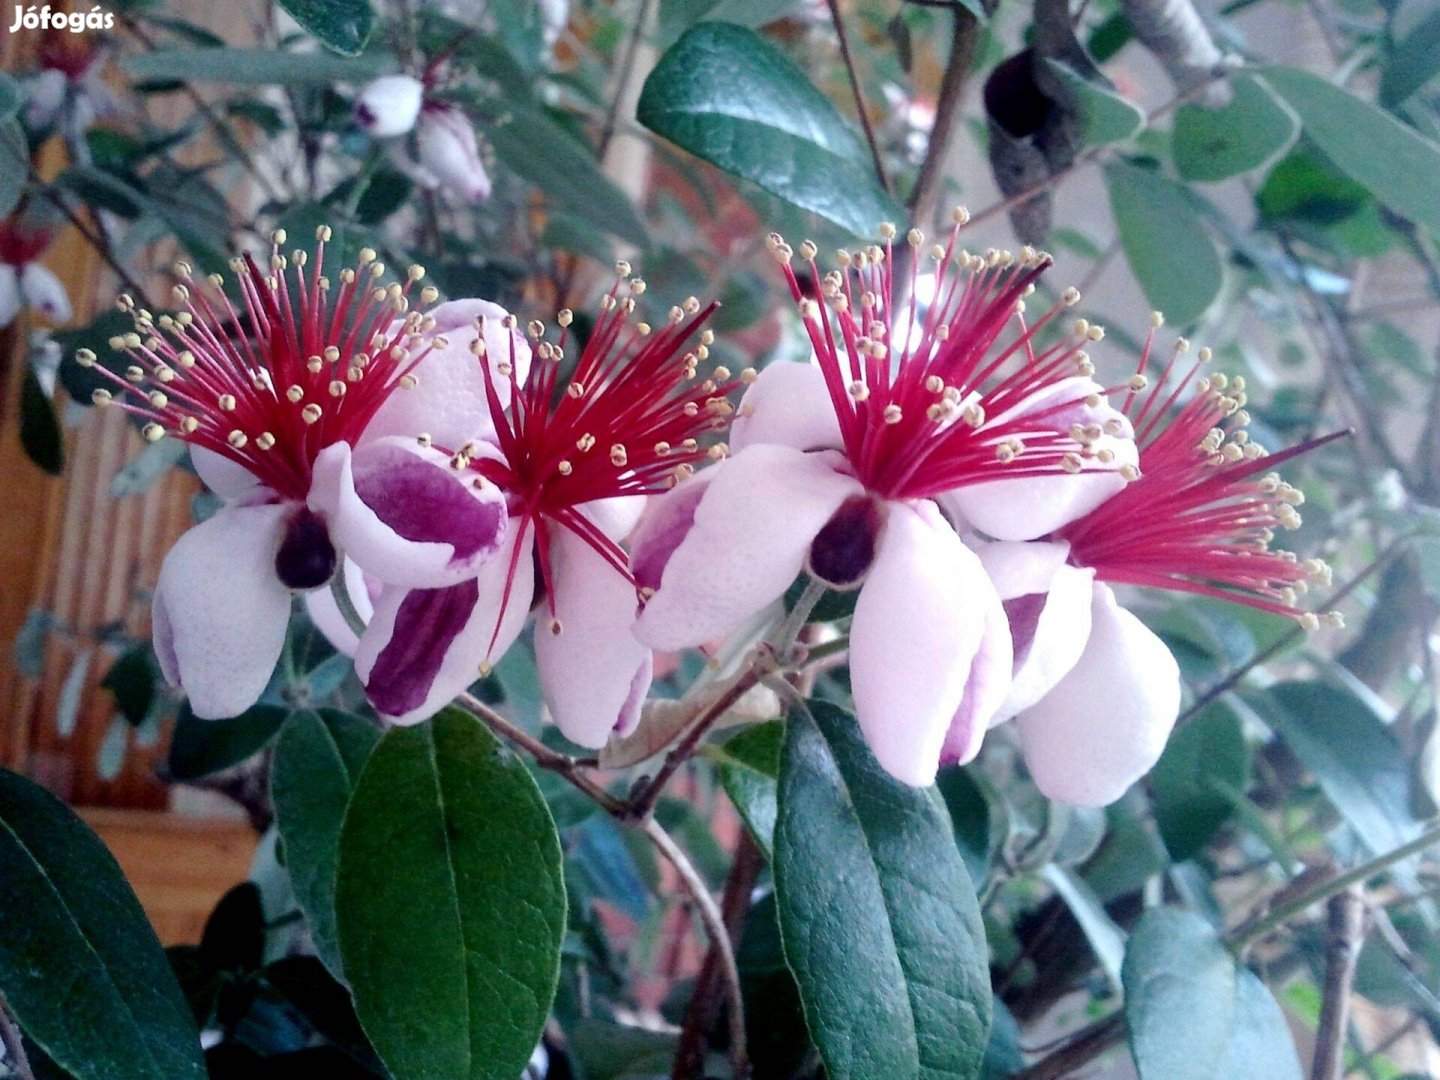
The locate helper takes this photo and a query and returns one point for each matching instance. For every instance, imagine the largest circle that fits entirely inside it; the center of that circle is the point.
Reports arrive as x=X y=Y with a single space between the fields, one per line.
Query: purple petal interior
x=427 y=624
x=1024 y=615
x=425 y=503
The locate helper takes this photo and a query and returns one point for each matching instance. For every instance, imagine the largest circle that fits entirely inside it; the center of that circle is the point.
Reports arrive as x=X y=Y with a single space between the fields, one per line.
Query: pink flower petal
x=219 y=611
x=589 y=669
x=448 y=402
x=407 y=518
x=1104 y=725
x=228 y=479
x=787 y=404
x=752 y=529
x=991 y=674
x=424 y=646
x=44 y=292
x=917 y=629
x=1048 y=604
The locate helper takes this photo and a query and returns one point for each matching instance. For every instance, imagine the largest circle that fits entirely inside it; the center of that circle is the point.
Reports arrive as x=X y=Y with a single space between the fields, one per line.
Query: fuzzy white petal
x=787 y=404
x=389 y=105
x=9 y=294
x=1104 y=725
x=219 y=610
x=44 y=292
x=228 y=479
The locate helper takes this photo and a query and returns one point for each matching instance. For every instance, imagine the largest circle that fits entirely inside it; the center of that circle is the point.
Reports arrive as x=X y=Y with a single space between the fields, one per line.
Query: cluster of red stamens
x=923 y=399
x=631 y=419
x=304 y=367
x=1201 y=516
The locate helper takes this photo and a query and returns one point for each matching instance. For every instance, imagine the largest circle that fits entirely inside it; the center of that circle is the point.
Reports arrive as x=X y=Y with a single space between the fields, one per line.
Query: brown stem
x=860 y=108
x=719 y=936
x=964 y=36
x=1085 y=1046
x=10 y=1038
x=1342 y=950
x=705 y=1001
x=622 y=79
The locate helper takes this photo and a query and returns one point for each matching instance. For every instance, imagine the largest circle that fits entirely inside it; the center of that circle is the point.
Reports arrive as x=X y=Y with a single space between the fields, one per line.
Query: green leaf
x=1356 y=759
x=1396 y=163
x=251 y=67
x=539 y=150
x=1203 y=760
x=1315 y=201
x=1109 y=118
x=749 y=764
x=1254 y=128
x=1170 y=253
x=318 y=758
x=11 y=97
x=450 y=903
x=1106 y=939
x=729 y=96
x=80 y=966
x=201 y=747
x=1193 y=1014
x=342 y=25
x=974 y=815
x=132 y=679
x=40 y=434
x=14 y=164
x=878 y=916
x=1414 y=62
x=234 y=934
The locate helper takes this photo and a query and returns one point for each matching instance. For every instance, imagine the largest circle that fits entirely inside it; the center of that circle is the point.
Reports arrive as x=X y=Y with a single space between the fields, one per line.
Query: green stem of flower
x=341 y=592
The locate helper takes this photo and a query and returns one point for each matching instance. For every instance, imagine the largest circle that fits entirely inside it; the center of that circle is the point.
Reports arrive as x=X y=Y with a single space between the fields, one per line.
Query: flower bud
x=451 y=155
x=390 y=105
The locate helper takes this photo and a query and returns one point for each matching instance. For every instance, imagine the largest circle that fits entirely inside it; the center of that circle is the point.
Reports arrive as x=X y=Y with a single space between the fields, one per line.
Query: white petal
x=449 y=402
x=325 y=612
x=917 y=628
x=991 y=676
x=450 y=153
x=228 y=479
x=1048 y=603
x=592 y=669
x=787 y=404
x=1104 y=724
x=618 y=516
x=389 y=105
x=44 y=292
x=404 y=516
x=752 y=529
x=220 y=612
x=44 y=95
x=9 y=294
x=666 y=522
x=424 y=646
x=1031 y=507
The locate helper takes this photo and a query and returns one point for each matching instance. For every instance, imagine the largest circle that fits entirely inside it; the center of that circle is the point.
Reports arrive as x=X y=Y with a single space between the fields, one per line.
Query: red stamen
x=294 y=370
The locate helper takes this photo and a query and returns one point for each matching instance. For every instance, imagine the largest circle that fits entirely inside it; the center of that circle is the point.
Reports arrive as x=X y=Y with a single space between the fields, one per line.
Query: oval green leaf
x=748 y=765
x=877 y=914
x=1396 y=163
x=1190 y=787
x=450 y=903
x=342 y=25
x=727 y=95
x=201 y=747
x=1169 y=251
x=80 y=966
x=251 y=67
x=1193 y=1013
x=1254 y=128
x=318 y=758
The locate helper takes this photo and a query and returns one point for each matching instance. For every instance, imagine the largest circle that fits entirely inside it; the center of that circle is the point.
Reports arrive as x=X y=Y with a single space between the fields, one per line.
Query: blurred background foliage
x=1263 y=171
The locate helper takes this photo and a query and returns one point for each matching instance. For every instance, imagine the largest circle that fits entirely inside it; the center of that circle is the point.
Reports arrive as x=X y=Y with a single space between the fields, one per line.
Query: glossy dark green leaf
x=251 y=67
x=1189 y=786
x=1193 y=1013
x=729 y=96
x=1315 y=201
x=1003 y=1056
x=1254 y=127
x=450 y=903
x=80 y=966
x=40 y=434
x=609 y=1051
x=749 y=764
x=774 y=1017
x=539 y=150
x=1395 y=163
x=1108 y=117
x=1164 y=238
x=342 y=25
x=318 y=758
x=1356 y=759
x=608 y=866
x=878 y=916
x=14 y=160
x=974 y=815
x=234 y=935
x=1413 y=63
x=201 y=747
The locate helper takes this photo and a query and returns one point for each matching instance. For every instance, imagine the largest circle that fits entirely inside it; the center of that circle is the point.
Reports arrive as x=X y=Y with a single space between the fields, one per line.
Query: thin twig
x=855 y=89
x=546 y=758
x=745 y=869
x=1085 y=1046
x=622 y=79
x=1342 y=951
x=964 y=36
x=14 y=1045
x=719 y=938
